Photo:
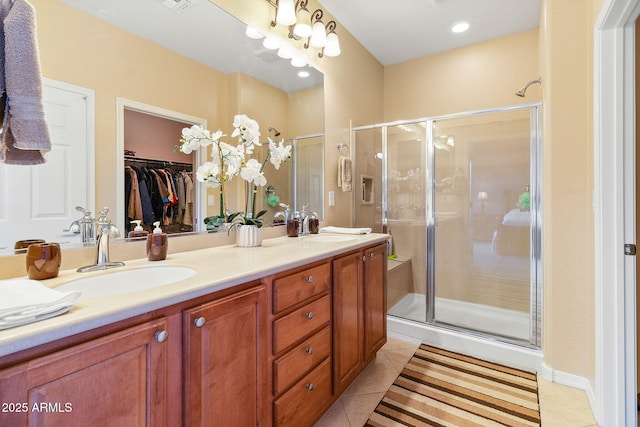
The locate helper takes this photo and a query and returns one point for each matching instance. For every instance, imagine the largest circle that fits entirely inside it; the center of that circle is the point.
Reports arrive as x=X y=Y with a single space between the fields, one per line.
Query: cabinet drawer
x=296 y=325
x=299 y=286
x=297 y=362
x=311 y=396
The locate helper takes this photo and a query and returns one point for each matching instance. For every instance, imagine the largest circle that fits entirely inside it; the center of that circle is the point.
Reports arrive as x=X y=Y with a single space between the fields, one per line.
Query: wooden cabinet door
x=117 y=380
x=347 y=319
x=226 y=361
x=375 y=301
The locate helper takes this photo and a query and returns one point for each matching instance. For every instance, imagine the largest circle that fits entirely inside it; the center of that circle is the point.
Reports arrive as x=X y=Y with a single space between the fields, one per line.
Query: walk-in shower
x=460 y=196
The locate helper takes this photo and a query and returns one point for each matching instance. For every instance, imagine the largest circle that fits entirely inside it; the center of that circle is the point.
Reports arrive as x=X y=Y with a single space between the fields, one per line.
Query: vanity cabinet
x=301 y=345
x=125 y=376
x=275 y=351
x=359 y=317
x=226 y=361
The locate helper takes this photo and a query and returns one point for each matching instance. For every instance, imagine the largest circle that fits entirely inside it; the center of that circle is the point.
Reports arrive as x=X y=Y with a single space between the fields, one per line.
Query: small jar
x=293 y=226
x=314 y=225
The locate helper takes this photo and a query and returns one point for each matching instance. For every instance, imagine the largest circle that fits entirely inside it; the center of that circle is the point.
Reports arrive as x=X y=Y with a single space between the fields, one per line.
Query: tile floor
x=560 y=405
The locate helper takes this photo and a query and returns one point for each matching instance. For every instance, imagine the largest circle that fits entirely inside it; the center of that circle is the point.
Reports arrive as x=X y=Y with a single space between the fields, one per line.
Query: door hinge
x=630 y=249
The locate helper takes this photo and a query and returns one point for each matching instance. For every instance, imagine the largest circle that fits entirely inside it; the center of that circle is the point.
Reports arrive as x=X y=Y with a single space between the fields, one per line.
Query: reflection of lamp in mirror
x=482 y=196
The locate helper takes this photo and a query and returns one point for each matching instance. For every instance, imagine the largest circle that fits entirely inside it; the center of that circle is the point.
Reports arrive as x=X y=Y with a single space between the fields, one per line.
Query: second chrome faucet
x=104 y=231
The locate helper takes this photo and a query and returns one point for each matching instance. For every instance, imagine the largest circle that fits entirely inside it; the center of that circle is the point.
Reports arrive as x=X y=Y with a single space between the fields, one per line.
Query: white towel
x=345 y=175
x=25 y=301
x=345 y=230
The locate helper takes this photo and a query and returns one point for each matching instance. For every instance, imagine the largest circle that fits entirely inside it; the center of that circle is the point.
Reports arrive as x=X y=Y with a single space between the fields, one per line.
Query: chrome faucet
x=105 y=230
x=304 y=220
x=85 y=226
x=285 y=215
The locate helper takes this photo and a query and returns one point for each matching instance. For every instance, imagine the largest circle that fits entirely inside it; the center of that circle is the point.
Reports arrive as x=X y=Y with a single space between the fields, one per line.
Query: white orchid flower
x=279 y=153
x=208 y=173
x=247 y=129
x=252 y=172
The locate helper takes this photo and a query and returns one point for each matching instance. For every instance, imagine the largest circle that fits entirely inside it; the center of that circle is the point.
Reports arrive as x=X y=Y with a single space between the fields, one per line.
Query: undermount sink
x=127 y=281
x=331 y=238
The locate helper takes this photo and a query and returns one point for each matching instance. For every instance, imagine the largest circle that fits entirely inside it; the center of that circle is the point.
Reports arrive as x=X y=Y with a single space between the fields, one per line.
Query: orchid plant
x=228 y=161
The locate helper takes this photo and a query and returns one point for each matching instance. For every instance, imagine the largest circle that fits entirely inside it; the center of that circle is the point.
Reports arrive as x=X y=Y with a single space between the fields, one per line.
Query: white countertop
x=217 y=268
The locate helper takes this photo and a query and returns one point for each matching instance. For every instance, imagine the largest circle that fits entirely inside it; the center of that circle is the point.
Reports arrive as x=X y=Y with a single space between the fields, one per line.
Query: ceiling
x=392 y=31
x=407 y=29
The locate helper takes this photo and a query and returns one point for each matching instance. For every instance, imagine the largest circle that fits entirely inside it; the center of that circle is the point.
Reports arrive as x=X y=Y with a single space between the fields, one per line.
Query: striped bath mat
x=442 y=388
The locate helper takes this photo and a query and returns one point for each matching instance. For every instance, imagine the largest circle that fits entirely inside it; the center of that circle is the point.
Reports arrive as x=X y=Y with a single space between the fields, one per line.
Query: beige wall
x=481 y=76
x=566 y=51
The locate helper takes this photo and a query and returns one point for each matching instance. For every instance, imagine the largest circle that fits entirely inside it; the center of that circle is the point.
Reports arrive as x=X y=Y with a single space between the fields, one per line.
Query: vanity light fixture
x=303 y=24
x=270 y=43
x=302 y=27
x=285 y=12
x=303 y=74
x=332 y=47
x=318 y=31
x=298 y=62
x=253 y=33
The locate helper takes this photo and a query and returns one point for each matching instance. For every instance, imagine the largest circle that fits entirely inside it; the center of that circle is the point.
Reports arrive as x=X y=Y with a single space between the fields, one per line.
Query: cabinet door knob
x=364 y=258
x=371 y=255
x=162 y=336
x=309 y=315
x=199 y=322
x=309 y=350
x=309 y=279
x=310 y=387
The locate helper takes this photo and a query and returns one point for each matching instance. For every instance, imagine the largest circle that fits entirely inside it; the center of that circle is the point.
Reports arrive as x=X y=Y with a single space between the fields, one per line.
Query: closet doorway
x=148 y=161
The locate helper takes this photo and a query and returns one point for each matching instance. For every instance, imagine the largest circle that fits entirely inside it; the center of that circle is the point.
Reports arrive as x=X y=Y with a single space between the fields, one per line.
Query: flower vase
x=248 y=236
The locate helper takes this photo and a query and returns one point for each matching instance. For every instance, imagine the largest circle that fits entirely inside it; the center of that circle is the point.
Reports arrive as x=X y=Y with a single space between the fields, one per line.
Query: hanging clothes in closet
x=158 y=191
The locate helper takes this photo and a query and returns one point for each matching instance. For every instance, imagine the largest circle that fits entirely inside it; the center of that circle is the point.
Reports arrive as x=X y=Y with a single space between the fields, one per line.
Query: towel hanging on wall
x=345 y=173
x=25 y=136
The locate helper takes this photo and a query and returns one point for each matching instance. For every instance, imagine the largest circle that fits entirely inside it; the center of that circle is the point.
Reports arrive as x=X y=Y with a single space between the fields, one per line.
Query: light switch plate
x=211 y=200
x=332 y=198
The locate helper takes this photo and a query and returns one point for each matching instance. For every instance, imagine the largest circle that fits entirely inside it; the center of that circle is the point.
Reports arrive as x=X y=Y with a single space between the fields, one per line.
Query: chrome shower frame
x=535 y=312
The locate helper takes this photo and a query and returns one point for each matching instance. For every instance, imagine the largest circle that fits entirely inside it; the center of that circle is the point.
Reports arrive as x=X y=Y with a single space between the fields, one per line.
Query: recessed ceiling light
x=303 y=74
x=460 y=27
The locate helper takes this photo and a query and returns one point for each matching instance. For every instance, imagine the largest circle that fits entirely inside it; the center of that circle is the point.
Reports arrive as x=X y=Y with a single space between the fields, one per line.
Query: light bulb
x=303 y=24
x=318 y=35
x=298 y=62
x=286 y=13
x=285 y=52
x=253 y=33
x=333 y=45
x=270 y=43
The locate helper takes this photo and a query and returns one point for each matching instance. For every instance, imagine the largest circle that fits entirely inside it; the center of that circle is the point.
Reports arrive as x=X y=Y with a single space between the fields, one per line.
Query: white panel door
x=39 y=201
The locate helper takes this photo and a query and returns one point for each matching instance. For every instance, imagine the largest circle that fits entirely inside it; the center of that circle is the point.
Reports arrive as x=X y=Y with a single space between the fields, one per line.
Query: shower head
x=275 y=131
x=523 y=89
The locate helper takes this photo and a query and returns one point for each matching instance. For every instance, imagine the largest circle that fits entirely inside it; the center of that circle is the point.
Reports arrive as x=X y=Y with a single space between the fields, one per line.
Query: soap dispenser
x=293 y=225
x=157 y=244
x=138 y=231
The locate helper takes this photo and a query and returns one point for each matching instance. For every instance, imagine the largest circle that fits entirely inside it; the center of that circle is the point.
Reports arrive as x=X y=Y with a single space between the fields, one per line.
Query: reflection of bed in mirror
x=512 y=235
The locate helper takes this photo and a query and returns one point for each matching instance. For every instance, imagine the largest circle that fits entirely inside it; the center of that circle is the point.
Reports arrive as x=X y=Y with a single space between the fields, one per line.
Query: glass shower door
x=483 y=213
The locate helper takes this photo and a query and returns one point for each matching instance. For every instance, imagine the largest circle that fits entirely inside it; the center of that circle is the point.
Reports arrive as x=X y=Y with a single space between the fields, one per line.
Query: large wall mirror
x=196 y=62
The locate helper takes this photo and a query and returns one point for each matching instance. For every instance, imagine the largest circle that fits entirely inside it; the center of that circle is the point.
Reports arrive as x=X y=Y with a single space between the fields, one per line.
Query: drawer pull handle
x=310 y=387
x=199 y=322
x=309 y=279
x=162 y=336
x=309 y=315
x=309 y=350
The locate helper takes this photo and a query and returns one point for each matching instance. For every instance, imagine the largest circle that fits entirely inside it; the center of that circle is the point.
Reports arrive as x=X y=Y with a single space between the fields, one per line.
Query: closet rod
x=164 y=163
